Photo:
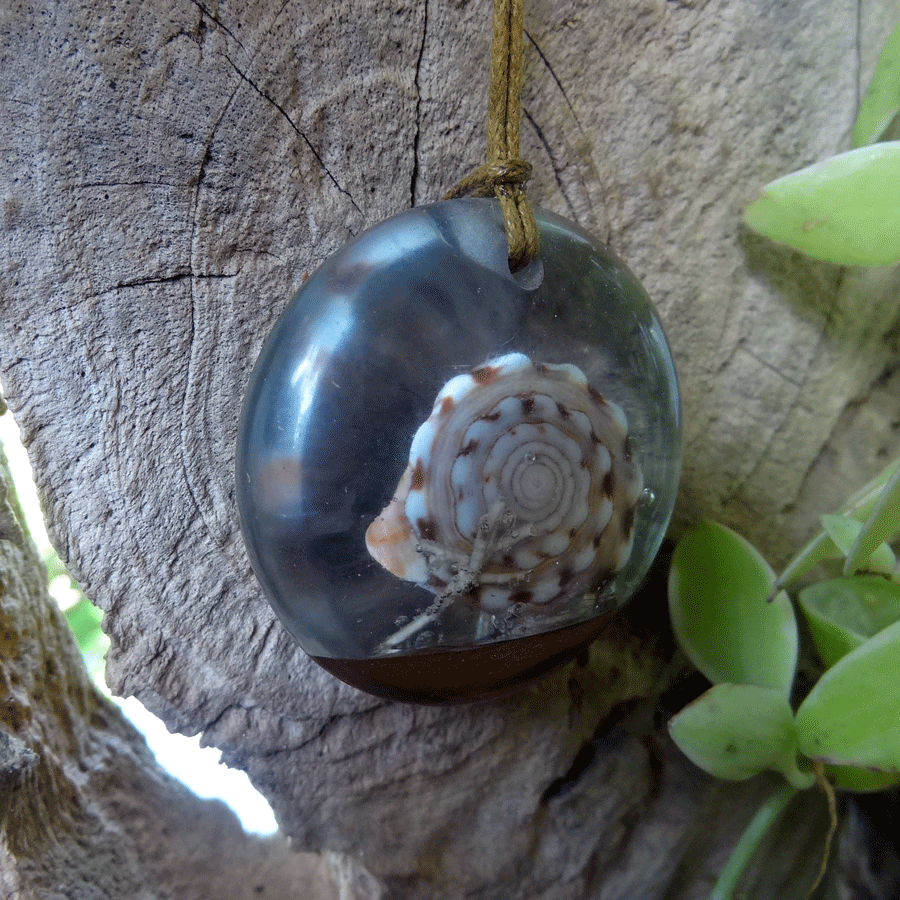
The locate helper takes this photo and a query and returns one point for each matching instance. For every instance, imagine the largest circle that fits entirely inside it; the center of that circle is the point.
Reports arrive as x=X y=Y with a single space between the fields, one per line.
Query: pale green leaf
x=727 y=886
x=882 y=525
x=845 y=532
x=852 y=715
x=845 y=210
x=863 y=501
x=882 y=101
x=719 y=588
x=845 y=612
x=735 y=731
x=821 y=547
x=849 y=778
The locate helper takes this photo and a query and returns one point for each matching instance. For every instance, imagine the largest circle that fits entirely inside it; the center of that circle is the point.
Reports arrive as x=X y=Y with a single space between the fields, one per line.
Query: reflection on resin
x=538 y=510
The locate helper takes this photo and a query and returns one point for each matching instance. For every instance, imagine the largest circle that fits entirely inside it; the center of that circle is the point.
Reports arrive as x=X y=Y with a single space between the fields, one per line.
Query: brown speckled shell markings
x=521 y=488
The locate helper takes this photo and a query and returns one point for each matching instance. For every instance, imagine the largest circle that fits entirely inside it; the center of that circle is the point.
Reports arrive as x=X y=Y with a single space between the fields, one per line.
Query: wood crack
x=116 y=184
x=594 y=171
x=553 y=164
x=787 y=416
x=298 y=132
x=160 y=279
x=204 y=11
x=767 y=365
x=418 y=124
x=553 y=75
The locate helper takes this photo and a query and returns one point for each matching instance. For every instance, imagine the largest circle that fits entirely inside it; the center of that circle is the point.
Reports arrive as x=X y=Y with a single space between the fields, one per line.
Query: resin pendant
x=447 y=474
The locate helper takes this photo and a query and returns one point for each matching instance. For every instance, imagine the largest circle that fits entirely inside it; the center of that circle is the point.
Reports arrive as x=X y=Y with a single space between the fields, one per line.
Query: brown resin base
x=465 y=674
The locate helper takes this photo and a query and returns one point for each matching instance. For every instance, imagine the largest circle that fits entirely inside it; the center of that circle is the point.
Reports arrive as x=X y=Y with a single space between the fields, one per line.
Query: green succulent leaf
x=882 y=525
x=845 y=209
x=882 y=101
x=864 y=500
x=845 y=532
x=845 y=612
x=852 y=715
x=736 y=731
x=719 y=589
x=849 y=778
x=821 y=547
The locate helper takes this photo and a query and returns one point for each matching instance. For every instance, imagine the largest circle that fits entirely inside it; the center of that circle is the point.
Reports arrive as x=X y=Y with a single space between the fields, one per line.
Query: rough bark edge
x=85 y=811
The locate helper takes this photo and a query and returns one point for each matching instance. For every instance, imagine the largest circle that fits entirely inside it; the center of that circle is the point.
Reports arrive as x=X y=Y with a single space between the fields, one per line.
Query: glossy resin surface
x=343 y=411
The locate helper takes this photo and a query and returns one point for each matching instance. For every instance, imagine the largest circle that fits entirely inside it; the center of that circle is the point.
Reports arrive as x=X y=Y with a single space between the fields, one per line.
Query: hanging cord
x=504 y=174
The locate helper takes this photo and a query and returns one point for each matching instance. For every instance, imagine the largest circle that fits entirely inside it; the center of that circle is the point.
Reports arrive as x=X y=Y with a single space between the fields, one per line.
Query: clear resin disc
x=448 y=474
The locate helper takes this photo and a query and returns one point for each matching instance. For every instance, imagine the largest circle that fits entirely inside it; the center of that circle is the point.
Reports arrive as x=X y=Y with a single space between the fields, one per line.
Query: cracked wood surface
x=175 y=170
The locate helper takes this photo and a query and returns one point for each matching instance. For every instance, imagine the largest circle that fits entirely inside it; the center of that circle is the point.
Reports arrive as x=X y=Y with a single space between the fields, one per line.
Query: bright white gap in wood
x=195 y=766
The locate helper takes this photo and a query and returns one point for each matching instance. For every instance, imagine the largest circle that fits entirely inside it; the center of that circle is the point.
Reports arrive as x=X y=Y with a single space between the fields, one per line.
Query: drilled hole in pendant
x=530 y=277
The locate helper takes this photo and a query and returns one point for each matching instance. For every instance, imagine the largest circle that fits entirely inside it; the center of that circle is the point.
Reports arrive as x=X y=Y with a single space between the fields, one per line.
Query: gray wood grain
x=176 y=167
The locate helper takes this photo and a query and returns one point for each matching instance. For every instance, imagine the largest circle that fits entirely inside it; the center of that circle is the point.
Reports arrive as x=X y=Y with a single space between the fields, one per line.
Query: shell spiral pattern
x=521 y=488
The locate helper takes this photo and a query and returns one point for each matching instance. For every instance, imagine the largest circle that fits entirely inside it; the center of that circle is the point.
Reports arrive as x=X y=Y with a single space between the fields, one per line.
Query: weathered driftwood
x=173 y=169
x=84 y=809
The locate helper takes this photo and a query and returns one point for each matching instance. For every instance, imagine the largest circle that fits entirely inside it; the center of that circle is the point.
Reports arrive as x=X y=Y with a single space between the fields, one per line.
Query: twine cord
x=505 y=173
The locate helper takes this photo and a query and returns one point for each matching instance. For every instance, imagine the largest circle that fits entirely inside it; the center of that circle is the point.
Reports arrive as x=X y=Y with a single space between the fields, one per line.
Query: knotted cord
x=505 y=173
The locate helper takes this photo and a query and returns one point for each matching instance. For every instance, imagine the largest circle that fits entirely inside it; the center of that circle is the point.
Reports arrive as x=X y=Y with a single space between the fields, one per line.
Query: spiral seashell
x=521 y=488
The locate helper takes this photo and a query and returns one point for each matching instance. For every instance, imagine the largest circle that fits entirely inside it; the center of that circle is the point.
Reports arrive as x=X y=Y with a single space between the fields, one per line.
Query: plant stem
x=771 y=809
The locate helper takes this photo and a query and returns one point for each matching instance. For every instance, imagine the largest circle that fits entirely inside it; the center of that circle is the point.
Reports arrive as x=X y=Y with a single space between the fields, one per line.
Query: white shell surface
x=521 y=488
